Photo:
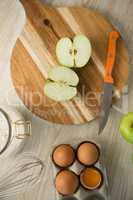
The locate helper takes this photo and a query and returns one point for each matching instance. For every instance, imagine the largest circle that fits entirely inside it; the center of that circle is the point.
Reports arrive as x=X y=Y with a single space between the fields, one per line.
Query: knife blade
x=108 y=80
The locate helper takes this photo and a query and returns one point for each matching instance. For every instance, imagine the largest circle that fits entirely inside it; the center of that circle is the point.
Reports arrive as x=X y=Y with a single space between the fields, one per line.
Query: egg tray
x=82 y=194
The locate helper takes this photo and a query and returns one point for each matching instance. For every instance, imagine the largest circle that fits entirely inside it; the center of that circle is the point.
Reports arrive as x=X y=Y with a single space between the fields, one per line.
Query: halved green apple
x=61 y=85
x=64 y=75
x=59 y=91
x=74 y=53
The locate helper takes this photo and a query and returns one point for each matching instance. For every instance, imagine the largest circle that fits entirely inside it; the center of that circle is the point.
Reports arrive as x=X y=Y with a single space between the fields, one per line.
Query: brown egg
x=63 y=155
x=66 y=182
x=91 y=178
x=88 y=153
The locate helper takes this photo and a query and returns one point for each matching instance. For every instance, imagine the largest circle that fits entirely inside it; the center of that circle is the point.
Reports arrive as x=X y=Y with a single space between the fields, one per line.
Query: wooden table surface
x=116 y=153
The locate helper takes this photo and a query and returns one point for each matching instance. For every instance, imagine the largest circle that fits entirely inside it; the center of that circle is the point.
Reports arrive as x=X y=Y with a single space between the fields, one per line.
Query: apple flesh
x=74 y=53
x=64 y=52
x=64 y=75
x=59 y=91
x=126 y=127
x=61 y=85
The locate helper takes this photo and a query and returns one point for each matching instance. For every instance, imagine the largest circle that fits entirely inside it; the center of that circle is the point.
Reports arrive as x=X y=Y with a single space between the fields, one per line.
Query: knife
x=108 y=80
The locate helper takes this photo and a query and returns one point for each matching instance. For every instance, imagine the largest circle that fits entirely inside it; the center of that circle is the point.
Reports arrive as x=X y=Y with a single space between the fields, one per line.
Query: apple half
x=61 y=85
x=73 y=53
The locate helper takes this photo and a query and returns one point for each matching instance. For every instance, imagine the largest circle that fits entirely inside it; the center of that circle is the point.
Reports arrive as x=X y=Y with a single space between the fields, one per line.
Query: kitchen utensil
x=108 y=80
x=34 y=55
x=21 y=175
x=13 y=129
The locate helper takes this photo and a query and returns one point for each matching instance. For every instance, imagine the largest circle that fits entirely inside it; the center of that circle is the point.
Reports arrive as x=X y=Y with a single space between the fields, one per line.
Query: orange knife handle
x=113 y=36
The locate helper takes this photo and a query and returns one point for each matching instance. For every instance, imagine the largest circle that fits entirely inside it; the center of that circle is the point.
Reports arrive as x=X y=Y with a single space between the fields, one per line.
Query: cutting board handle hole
x=47 y=22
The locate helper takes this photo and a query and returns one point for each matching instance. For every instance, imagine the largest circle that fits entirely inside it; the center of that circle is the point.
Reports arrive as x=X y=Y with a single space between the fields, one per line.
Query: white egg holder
x=82 y=194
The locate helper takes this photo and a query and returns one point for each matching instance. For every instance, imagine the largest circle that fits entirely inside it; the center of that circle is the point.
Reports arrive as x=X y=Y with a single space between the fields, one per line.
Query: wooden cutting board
x=34 y=55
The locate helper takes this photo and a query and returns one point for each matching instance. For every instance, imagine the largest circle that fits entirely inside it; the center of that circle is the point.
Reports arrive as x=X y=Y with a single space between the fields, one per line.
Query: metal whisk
x=21 y=175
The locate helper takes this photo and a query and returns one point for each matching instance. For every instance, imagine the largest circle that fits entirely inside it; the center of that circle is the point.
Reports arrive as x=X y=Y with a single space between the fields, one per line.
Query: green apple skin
x=126 y=127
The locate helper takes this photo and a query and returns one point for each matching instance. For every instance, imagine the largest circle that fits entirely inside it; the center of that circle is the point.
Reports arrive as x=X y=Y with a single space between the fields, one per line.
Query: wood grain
x=34 y=55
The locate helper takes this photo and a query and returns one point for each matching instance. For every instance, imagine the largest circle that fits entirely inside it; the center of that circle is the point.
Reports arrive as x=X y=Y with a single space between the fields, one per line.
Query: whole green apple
x=126 y=127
